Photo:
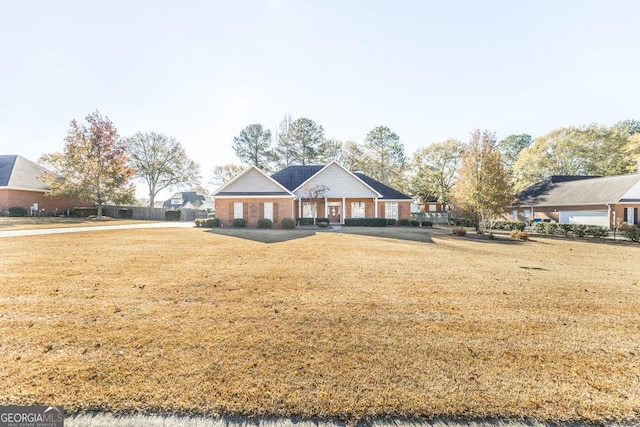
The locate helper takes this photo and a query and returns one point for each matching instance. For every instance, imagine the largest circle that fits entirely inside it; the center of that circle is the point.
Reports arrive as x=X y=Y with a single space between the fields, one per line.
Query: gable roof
x=293 y=177
x=584 y=190
x=18 y=173
x=187 y=197
x=246 y=182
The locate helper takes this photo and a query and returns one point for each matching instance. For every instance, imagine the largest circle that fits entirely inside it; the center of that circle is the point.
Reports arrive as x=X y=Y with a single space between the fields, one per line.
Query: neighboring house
x=581 y=200
x=253 y=195
x=188 y=200
x=20 y=185
x=431 y=205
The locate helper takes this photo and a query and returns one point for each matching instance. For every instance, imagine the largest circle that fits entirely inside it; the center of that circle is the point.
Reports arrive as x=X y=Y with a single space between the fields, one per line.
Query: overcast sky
x=200 y=71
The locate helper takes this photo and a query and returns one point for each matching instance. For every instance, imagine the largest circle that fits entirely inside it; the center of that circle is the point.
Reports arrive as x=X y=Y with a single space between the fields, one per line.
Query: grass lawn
x=331 y=324
x=39 y=222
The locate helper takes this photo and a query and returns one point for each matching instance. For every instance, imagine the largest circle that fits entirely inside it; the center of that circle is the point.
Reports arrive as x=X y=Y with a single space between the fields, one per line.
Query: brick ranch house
x=581 y=200
x=20 y=185
x=253 y=195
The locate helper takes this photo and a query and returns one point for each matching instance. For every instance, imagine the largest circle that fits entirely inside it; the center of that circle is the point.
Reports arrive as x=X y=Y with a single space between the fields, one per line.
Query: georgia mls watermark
x=31 y=416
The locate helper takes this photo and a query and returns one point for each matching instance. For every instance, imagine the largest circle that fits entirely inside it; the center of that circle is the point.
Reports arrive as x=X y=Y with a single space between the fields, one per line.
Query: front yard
x=330 y=325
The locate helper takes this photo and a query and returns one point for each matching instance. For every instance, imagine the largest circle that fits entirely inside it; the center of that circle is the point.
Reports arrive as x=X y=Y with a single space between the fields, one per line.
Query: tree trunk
x=99 y=210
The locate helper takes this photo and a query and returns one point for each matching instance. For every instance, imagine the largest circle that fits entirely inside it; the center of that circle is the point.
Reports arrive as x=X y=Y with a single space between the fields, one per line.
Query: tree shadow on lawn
x=413 y=234
x=263 y=235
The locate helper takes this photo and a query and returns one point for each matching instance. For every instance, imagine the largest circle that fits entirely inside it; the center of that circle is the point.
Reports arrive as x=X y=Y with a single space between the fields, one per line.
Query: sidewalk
x=42 y=231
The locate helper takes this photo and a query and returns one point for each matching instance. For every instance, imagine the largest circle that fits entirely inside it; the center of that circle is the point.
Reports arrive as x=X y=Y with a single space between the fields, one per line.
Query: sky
x=200 y=71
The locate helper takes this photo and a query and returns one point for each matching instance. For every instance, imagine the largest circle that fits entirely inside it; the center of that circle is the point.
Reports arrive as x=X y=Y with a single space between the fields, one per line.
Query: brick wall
x=252 y=210
x=26 y=199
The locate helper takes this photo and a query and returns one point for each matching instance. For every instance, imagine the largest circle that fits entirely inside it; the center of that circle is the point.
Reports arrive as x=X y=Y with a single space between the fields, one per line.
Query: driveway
x=41 y=231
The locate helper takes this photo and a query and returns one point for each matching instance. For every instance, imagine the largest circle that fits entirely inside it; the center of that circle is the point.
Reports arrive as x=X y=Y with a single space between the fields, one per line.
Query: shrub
x=540 y=227
x=392 y=221
x=459 y=231
x=323 y=224
x=631 y=232
x=83 y=212
x=427 y=224
x=198 y=222
x=17 y=211
x=415 y=223
x=305 y=221
x=172 y=215
x=597 y=231
x=239 y=222
x=579 y=230
x=404 y=222
x=462 y=222
x=365 y=222
x=211 y=215
x=552 y=228
x=564 y=229
x=509 y=225
x=519 y=235
x=211 y=222
x=265 y=223
x=288 y=223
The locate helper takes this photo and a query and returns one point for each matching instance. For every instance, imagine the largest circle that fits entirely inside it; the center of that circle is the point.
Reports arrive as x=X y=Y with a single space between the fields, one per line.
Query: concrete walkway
x=42 y=231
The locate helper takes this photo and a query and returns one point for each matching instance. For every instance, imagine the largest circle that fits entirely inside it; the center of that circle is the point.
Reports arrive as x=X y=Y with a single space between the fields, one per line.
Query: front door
x=335 y=214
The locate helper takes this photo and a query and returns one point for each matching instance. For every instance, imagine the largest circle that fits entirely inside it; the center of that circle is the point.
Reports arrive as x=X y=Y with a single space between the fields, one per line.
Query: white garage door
x=599 y=217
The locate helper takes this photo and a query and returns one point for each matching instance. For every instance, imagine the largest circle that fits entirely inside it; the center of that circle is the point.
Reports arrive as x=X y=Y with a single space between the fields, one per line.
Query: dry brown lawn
x=330 y=325
x=34 y=223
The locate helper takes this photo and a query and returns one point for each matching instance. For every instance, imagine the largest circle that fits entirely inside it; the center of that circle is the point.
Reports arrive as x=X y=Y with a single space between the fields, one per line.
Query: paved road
x=41 y=231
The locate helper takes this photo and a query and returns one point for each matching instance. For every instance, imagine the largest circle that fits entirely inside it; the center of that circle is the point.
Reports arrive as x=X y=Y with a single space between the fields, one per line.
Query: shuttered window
x=238 y=210
x=631 y=215
x=268 y=210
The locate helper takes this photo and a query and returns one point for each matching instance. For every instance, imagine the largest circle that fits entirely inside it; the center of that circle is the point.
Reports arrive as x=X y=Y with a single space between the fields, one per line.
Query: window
x=238 y=210
x=432 y=207
x=357 y=210
x=631 y=215
x=268 y=210
x=308 y=209
x=514 y=215
x=391 y=210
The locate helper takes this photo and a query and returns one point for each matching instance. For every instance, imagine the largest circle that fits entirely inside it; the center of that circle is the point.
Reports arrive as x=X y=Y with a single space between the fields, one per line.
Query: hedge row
x=509 y=225
x=208 y=222
x=365 y=222
x=577 y=230
x=310 y=221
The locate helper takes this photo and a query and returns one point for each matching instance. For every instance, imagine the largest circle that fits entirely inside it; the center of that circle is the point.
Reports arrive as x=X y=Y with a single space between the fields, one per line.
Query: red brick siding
x=252 y=210
x=26 y=199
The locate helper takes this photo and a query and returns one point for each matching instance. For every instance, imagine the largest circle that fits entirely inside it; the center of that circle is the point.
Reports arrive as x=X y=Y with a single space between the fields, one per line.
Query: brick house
x=20 y=185
x=581 y=200
x=253 y=195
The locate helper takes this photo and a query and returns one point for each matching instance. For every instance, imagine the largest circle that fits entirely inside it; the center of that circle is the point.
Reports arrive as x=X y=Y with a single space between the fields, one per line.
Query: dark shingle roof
x=585 y=190
x=293 y=177
x=18 y=172
x=386 y=191
x=187 y=196
x=253 y=193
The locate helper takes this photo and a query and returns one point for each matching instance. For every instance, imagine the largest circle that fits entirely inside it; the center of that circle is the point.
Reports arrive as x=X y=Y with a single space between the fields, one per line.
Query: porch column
x=300 y=207
x=326 y=208
x=344 y=209
x=375 y=207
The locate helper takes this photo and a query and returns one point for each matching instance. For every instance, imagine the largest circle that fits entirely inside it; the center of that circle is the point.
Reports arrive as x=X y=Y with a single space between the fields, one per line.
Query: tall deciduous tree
x=348 y=153
x=253 y=146
x=222 y=174
x=161 y=162
x=582 y=150
x=434 y=170
x=511 y=146
x=482 y=189
x=384 y=156
x=284 y=149
x=306 y=137
x=93 y=165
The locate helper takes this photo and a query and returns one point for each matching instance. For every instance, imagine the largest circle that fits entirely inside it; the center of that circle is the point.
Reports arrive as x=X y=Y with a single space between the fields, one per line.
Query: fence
x=434 y=217
x=151 y=214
